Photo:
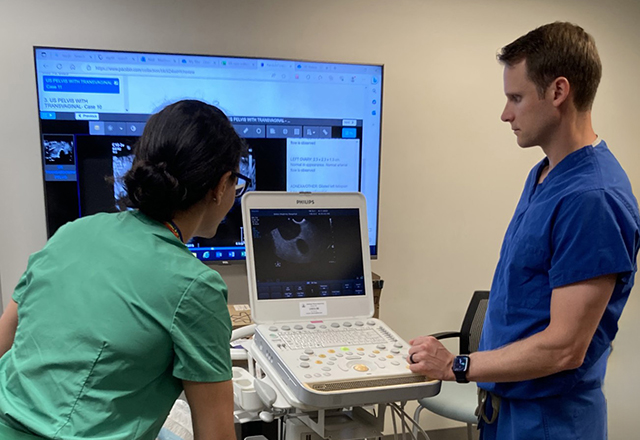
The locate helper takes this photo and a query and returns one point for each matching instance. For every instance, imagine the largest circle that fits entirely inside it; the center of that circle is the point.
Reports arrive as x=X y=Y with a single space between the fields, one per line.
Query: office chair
x=459 y=401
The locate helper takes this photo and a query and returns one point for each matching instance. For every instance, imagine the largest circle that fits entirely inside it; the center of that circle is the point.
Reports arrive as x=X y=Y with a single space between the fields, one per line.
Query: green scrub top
x=113 y=313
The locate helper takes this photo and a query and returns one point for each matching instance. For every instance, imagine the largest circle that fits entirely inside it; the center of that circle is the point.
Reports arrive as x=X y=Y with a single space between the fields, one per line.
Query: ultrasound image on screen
x=58 y=149
x=122 y=162
x=307 y=253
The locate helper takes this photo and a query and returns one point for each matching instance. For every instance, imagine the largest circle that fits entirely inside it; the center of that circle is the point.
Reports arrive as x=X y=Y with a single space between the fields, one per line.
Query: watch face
x=460 y=363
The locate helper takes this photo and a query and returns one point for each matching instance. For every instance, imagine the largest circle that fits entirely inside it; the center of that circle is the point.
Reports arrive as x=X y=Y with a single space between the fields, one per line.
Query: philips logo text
x=305 y=202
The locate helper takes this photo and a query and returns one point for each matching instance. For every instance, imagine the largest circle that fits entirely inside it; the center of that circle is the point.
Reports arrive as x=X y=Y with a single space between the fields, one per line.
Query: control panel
x=340 y=362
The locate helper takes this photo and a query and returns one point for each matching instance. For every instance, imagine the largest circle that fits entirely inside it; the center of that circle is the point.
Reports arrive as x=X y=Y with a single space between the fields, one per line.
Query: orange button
x=376 y=351
x=318 y=362
x=360 y=349
x=331 y=351
x=360 y=367
x=322 y=355
x=389 y=356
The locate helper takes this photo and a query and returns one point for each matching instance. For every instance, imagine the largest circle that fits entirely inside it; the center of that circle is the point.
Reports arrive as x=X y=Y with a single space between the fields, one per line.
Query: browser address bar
x=146 y=69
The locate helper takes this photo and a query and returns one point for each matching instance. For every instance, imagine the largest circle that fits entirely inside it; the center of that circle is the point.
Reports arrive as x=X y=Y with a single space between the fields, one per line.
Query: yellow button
x=318 y=362
x=360 y=349
x=389 y=356
x=376 y=351
x=331 y=351
x=322 y=355
x=360 y=367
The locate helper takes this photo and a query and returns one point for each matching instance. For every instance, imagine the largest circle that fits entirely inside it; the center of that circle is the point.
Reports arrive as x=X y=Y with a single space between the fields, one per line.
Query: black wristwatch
x=460 y=368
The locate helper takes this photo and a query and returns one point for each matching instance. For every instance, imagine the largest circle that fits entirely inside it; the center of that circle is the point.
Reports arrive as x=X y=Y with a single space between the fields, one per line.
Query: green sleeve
x=22 y=285
x=201 y=331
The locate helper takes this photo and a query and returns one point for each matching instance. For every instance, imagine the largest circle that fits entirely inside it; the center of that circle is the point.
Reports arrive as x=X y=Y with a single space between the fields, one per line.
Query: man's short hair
x=554 y=50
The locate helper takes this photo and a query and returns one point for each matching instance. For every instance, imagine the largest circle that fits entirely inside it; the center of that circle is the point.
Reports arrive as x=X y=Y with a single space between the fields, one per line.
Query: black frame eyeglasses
x=242 y=183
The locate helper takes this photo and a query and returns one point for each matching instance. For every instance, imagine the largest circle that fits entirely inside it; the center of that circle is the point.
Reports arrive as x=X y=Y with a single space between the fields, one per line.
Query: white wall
x=451 y=171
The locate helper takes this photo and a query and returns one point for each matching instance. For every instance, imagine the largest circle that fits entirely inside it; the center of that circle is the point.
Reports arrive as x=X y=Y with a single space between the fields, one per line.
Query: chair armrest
x=445 y=335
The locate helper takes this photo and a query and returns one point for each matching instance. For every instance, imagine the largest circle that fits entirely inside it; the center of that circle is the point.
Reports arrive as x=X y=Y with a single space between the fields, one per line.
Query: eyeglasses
x=242 y=184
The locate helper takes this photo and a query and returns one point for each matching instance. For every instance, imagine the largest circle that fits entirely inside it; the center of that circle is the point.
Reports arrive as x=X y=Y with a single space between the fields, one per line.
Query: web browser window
x=311 y=126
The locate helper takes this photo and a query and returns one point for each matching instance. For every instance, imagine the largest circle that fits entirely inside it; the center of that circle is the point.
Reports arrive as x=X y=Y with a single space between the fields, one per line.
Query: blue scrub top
x=581 y=222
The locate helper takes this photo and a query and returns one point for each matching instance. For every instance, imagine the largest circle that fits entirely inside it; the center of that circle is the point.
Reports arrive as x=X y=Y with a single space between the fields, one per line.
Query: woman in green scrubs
x=114 y=317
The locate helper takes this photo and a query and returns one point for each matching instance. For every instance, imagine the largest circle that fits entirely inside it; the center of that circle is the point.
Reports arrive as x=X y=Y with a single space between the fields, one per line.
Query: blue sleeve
x=588 y=239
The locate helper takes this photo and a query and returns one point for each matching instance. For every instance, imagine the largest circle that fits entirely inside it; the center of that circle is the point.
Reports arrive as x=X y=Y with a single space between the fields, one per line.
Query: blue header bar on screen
x=79 y=84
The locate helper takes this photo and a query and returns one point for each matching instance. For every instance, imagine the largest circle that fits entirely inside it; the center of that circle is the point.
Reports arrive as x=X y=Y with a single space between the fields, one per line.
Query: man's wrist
x=448 y=372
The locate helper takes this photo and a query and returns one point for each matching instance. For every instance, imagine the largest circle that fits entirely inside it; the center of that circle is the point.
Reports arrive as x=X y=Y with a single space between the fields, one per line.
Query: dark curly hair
x=183 y=153
x=558 y=49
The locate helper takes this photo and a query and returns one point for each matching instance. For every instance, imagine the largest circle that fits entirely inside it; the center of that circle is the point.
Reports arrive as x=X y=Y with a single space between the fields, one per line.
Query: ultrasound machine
x=318 y=360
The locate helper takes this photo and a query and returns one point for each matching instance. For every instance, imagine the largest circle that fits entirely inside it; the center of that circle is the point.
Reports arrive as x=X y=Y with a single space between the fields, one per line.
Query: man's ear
x=561 y=89
x=218 y=191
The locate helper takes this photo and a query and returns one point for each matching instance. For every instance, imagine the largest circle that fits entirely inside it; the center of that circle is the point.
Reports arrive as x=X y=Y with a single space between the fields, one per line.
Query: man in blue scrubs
x=568 y=259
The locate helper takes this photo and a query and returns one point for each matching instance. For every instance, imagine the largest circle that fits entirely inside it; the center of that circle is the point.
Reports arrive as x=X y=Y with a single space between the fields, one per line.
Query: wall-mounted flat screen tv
x=311 y=126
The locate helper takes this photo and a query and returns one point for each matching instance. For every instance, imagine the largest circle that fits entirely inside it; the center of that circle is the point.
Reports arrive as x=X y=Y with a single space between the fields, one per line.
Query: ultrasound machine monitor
x=307 y=256
x=311 y=296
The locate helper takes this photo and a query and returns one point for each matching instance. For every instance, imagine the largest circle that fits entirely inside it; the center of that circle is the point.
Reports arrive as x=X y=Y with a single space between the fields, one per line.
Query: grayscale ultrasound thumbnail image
x=58 y=149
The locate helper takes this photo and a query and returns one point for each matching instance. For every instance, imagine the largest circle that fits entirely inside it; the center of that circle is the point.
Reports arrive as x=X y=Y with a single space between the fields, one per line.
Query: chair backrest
x=473 y=321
